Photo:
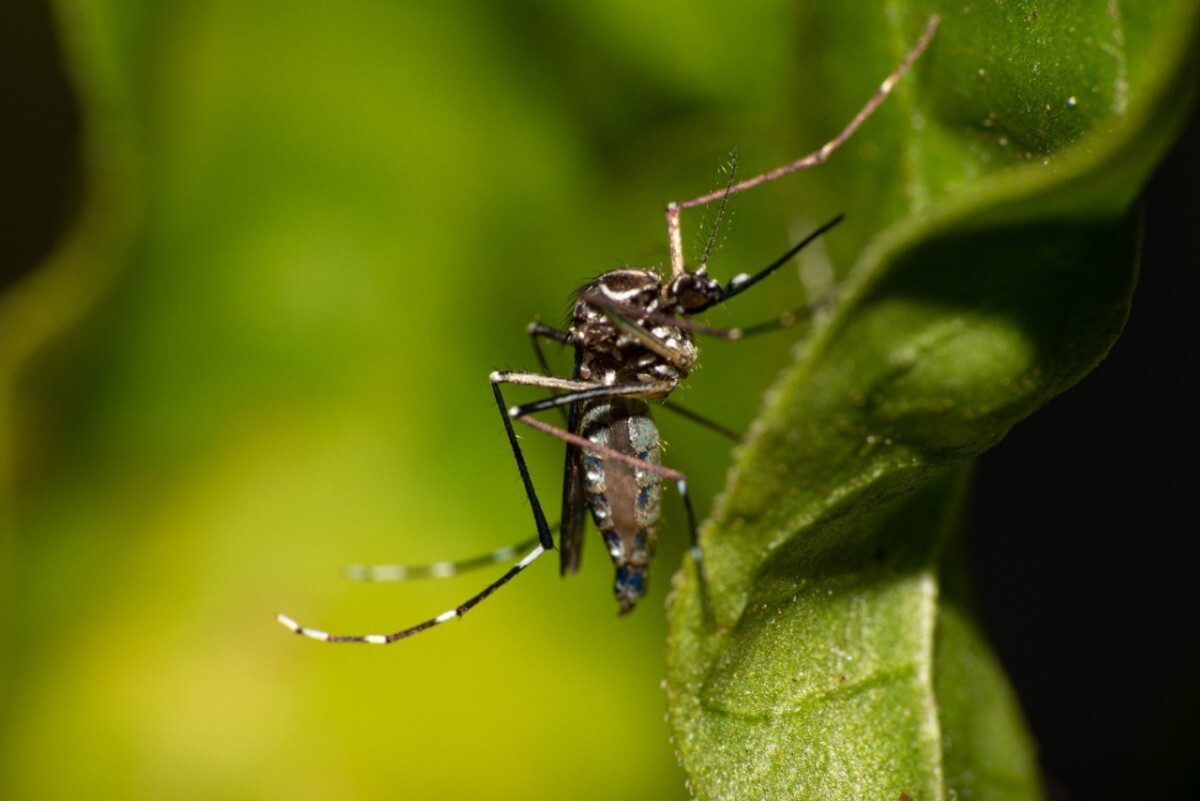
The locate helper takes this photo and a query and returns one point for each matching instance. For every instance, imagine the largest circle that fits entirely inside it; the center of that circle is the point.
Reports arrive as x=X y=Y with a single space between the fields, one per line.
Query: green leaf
x=995 y=195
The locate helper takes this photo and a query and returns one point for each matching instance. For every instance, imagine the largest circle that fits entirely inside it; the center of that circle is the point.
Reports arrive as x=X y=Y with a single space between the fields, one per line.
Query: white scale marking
x=626 y=295
x=534 y=554
x=432 y=570
x=436 y=569
x=378 y=572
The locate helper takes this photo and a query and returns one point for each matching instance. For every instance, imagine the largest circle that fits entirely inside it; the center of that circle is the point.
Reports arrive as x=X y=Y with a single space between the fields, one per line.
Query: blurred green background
x=298 y=237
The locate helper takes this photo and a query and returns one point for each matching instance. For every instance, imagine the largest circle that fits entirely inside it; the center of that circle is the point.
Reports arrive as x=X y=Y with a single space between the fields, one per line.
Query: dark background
x=1082 y=530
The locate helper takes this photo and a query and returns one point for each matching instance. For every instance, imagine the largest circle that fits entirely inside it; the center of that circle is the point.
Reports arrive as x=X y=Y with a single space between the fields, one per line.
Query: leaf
x=844 y=661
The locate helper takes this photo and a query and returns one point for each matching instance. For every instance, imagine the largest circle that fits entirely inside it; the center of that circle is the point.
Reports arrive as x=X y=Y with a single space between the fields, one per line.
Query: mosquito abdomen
x=625 y=499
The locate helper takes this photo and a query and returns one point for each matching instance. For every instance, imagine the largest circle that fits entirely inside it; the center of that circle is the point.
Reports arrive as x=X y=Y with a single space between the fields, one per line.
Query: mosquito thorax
x=691 y=293
x=633 y=286
x=611 y=353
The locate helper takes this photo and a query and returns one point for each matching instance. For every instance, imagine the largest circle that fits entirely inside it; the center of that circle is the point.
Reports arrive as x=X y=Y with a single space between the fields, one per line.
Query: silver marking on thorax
x=622 y=295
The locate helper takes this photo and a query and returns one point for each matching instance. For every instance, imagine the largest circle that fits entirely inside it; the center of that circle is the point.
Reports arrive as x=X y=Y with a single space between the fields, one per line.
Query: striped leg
x=444 y=617
x=521 y=413
x=438 y=569
x=545 y=542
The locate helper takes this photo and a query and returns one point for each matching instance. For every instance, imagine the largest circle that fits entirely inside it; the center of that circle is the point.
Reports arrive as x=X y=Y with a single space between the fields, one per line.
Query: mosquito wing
x=570 y=541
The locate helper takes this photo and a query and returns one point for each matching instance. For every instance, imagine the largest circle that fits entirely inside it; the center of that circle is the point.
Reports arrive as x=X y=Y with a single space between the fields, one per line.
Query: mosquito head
x=692 y=293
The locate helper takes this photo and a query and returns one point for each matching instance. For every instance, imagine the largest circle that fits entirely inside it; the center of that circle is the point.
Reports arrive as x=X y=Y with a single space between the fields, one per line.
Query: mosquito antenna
x=740 y=283
x=712 y=234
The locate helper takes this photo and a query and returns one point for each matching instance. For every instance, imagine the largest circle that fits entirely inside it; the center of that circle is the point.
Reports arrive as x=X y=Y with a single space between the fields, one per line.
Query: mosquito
x=634 y=342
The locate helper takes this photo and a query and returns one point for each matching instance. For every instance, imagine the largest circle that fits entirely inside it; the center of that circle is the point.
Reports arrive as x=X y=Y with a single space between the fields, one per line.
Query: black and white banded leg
x=590 y=391
x=445 y=617
x=397 y=572
x=545 y=542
